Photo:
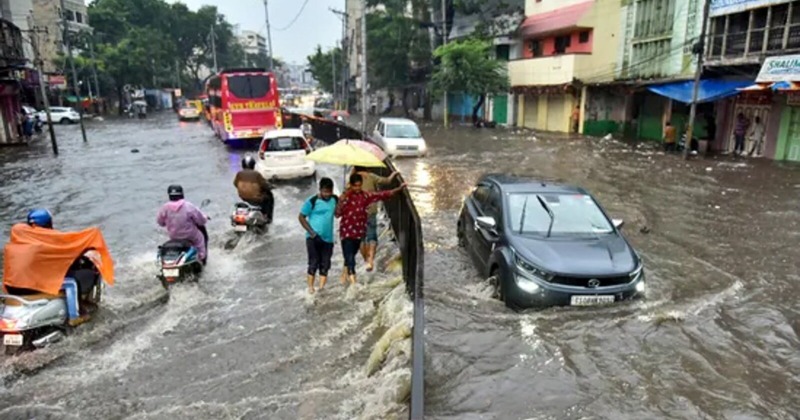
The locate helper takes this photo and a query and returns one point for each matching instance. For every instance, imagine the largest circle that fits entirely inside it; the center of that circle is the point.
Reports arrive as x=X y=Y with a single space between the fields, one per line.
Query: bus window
x=248 y=87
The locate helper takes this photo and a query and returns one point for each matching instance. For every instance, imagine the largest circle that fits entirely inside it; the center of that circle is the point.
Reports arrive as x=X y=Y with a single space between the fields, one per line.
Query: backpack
x=315 y=197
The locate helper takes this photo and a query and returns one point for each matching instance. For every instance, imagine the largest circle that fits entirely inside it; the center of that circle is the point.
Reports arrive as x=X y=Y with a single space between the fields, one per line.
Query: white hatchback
x=282 y=155
x=61 y=114
x=399 y=137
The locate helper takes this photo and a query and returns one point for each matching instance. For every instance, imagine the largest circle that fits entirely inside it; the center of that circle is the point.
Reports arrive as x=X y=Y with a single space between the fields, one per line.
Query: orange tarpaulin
x=38 y=258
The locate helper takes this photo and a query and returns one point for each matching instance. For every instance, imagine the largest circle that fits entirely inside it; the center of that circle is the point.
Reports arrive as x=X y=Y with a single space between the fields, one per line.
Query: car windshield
x=284 y=144
x=573 y=215
x=402 y=131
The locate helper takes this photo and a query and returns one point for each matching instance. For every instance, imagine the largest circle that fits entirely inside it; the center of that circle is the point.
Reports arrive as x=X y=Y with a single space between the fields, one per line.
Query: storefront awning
x=710 y=89
x=558 y=20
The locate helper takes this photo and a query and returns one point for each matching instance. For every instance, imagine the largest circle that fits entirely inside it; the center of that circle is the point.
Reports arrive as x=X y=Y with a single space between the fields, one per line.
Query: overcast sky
x=315 y=25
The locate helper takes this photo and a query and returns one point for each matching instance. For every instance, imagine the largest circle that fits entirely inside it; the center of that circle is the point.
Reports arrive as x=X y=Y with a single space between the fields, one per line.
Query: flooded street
x=245 y=342
x=717 y=337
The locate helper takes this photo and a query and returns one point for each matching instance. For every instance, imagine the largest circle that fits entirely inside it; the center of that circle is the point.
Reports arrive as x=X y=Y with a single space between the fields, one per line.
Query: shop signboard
x=784 y=68
x=57 y=81
x=726 y=7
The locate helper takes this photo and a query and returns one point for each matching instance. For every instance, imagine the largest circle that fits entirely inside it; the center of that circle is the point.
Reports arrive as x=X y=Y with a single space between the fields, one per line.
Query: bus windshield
x=249 y=86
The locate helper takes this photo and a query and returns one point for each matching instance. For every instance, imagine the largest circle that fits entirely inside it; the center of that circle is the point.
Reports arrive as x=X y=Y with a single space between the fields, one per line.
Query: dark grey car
x=543 y=244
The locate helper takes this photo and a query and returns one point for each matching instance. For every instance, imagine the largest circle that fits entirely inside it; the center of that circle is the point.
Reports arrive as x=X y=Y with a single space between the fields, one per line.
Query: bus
x=243 y=105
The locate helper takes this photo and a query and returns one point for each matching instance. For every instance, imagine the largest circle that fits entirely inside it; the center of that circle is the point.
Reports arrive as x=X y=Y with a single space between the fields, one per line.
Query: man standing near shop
x=739 y=133
x=757 y=136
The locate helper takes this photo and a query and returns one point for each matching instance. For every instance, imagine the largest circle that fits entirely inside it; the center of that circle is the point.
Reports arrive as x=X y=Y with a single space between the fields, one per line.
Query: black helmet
x=175 y=192
x=248 y=162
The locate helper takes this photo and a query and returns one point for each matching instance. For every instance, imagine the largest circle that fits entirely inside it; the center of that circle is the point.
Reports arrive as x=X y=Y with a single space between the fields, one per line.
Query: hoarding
x=726 y=7
x=784 y=68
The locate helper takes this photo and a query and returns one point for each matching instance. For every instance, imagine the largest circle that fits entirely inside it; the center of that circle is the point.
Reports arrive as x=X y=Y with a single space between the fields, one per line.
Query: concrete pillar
x=584 y=97
x=521 y=111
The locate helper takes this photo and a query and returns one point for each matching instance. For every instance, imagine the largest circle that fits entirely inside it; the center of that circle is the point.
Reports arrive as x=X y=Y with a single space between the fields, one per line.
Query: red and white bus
x=243 y=105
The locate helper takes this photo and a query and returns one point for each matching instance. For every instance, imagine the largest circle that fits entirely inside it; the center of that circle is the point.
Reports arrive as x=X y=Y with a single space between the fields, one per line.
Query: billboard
x=726 y=7
x=784 y=68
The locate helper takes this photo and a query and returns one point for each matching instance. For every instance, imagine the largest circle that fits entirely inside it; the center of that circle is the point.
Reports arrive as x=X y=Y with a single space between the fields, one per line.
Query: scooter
x=178 y=261
x=31 y=320
x=248 y=218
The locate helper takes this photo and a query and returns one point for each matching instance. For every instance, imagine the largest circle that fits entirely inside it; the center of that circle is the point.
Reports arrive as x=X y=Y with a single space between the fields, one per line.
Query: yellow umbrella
x=344 y=153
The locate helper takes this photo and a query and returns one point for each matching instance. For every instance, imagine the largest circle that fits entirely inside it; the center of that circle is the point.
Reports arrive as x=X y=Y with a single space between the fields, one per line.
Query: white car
x=399 y=137
x=59 y=114
x=282 y=155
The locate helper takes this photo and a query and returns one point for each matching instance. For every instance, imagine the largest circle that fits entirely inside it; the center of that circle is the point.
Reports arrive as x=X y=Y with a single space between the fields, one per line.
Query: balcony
x=553 y=70
x=11 y=52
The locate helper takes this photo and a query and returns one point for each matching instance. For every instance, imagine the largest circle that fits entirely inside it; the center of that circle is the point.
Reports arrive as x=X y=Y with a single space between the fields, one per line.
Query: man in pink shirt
x=184 y=221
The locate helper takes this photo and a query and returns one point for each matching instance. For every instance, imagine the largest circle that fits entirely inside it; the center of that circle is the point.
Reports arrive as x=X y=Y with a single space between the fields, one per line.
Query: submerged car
x=188 y=112
x=282 y=155
x=399 y=137
x=542 y=244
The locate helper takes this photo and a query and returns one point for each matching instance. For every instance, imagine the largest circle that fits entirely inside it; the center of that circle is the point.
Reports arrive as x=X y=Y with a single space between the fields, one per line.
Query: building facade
x=47 y=14
x=566 y=45
x=12 y=61
x=253 y=43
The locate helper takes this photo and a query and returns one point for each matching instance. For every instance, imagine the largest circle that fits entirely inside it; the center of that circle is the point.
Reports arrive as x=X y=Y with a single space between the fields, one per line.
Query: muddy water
x=246 y=342
x=716 y=338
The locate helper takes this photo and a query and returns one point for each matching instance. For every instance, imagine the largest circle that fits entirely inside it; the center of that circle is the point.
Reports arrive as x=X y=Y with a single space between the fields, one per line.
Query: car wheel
x=496 y=283
x=65 y=121
x=462 y=240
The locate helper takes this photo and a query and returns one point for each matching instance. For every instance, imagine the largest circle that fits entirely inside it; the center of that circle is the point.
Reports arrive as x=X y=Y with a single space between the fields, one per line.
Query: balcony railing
x=11 y=52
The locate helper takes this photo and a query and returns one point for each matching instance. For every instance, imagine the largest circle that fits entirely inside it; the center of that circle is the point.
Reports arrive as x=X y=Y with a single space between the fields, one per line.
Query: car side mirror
x=618 y=223
x=487 y=223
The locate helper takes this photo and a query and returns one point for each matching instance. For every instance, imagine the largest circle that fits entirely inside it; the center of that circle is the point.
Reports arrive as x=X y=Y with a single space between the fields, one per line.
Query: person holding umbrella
x=353 y=210
x=371 y=182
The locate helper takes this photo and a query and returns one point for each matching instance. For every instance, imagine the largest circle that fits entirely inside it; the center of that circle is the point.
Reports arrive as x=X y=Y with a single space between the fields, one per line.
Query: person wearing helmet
x=253 y=188
x=184 y=221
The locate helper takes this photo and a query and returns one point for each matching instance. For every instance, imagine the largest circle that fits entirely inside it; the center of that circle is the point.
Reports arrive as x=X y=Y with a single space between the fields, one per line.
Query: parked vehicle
x=282 y=155
x=61 y=114
x=399 y=137
x=542 y=244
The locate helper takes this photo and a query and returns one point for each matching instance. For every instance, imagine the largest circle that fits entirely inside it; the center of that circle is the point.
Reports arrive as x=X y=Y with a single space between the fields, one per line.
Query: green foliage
x=466 y=66
x=320 y=65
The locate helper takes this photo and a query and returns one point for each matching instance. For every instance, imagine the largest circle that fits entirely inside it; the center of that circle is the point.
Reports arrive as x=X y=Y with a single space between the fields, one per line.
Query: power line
x=295 y=18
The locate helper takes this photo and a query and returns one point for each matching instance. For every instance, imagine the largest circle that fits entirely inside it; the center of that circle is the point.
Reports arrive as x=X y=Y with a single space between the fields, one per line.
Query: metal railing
x=407 y=229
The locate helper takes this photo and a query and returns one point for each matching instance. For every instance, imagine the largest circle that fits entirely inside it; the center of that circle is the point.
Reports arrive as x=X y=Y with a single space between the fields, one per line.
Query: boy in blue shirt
x=316 y=217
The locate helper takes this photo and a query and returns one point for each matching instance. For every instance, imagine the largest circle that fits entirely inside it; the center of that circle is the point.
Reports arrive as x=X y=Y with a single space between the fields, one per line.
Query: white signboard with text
x=785 y=68
x=726 y=7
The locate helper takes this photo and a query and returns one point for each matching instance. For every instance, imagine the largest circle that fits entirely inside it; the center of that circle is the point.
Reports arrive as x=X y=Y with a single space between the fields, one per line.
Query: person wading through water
x=370 y=184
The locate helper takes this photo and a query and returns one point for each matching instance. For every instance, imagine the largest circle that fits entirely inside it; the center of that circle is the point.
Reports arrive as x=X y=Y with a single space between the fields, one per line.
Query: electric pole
x=269 y=36
x=701 y=50
x=333 y=71
x=94 y=67
x=343 y=91
x=444 y=42
x=34 y=32
x=213 y=38
x=363 y=66
x=72 y=65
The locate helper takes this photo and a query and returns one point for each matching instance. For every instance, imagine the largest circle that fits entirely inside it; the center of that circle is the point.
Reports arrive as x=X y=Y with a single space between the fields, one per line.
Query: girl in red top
x=352 y=209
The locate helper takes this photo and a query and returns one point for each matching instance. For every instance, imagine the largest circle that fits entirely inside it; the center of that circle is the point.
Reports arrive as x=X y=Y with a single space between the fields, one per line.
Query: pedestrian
x=669 y=138
x=756 y=136
x=352 y=208
x=370 y=183
x=739 y=132
x=316 y=217
x=576 y=118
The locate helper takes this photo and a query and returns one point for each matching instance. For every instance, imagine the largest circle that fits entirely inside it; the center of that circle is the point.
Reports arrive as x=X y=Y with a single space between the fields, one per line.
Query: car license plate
x=584 y=300
x=240 y=228
x=12 y=340
x=171 y=272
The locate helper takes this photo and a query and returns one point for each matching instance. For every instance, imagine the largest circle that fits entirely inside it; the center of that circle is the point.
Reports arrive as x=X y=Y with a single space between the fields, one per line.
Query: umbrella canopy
x=369 y=147
x=345 y=153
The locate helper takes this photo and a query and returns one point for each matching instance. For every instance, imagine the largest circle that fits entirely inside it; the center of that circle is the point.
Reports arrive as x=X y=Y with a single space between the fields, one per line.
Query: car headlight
x=527 y=285
x=531 y=269
x=640 y=287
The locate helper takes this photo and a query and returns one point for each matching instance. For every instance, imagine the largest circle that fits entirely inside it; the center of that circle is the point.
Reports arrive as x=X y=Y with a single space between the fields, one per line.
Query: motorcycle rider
x=184 y=221
x=253 y=188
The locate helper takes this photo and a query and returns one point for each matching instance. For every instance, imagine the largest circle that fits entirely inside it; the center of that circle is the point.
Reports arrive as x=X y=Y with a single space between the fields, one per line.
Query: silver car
x=399 y=137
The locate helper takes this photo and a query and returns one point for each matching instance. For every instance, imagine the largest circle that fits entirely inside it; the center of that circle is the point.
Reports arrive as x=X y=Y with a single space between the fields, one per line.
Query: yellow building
x=566 y=45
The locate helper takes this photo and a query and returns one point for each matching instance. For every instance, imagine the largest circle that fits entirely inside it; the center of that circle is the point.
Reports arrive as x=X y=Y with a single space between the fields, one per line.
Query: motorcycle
x=248 y=218
x=30 y=319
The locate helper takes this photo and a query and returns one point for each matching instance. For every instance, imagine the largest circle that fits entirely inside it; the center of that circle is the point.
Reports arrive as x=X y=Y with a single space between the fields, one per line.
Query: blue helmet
x=41 y=218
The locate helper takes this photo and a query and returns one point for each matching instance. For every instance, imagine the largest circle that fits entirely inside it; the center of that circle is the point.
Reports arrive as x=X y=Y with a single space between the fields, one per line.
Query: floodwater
x=245 y=342
x=717 y=337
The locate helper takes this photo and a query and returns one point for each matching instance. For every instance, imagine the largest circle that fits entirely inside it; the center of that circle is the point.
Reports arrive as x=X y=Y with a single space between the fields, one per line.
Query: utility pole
x=343 y=91
x=72 y=65
x=34 y=31
x=363 y=66
x=213 y=37
x=700 y=49
x=444 y=42
x=333 y=71
x=269 y=36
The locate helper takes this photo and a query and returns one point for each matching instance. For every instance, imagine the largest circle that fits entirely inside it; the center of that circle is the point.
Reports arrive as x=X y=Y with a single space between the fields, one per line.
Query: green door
x=500 y=106
x=793 y=136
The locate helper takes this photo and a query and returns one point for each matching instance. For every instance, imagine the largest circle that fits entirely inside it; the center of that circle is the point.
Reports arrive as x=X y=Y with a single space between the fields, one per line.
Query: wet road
x=717 y=337
x=246 y=342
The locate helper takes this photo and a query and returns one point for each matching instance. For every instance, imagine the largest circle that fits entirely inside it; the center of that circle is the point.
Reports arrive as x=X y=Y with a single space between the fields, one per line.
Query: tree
x=466 y=66
x=320 y=65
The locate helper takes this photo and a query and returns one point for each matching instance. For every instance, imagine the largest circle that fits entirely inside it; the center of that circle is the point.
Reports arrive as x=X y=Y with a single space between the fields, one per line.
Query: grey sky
x=316 y=25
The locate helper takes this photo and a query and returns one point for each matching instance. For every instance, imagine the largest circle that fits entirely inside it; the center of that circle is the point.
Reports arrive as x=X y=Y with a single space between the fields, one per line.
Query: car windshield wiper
x=522 y=219
x=549 y=213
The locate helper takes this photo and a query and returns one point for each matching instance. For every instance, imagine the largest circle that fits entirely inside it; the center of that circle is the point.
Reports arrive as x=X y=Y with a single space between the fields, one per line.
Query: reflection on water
x=717 y=336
